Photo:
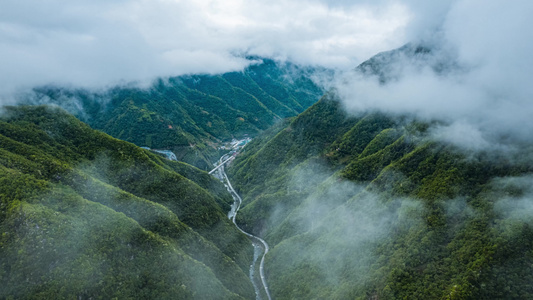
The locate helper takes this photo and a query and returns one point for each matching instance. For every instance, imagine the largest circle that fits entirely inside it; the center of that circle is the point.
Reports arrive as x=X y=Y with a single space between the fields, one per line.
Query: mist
x=471 y=76
x=515 y=198
x=334 y=233
x=485 y=48
x=95 y=44
x=358 y=237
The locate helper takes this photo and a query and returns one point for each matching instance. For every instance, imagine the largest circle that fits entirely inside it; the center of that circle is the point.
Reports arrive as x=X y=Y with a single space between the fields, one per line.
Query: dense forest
x=191 y=114
x=267 y=150
x=371 y=206
x=354 y=205
x=86 y=216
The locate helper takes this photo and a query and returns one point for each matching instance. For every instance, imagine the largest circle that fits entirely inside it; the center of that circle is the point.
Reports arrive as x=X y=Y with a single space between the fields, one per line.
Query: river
x=258 y=243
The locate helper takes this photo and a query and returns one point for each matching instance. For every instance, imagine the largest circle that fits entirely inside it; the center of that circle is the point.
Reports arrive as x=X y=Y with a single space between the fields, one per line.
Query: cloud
x=475 y=79
x=462 y=134
x=339 y=226
x=485 y=46
x=98 y=43
x=514 y=199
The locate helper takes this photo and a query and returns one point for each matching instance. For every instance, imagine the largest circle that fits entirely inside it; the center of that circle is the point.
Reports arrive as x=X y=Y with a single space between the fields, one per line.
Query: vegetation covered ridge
x=371 y=206
x=191 y=114
x=84 y=215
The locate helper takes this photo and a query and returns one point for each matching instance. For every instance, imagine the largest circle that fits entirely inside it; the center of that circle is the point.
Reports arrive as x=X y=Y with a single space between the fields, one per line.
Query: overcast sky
x=98 y=43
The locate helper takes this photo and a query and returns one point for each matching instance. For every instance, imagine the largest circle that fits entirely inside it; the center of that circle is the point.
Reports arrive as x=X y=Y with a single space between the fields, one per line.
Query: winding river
x=259 y=244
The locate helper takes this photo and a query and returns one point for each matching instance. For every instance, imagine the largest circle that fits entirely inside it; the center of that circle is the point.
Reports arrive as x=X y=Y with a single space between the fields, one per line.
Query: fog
x=515 y=198
x=335 y=229
x=481 y=52
x=347 y=234
x=99 y=43
x=474 y=79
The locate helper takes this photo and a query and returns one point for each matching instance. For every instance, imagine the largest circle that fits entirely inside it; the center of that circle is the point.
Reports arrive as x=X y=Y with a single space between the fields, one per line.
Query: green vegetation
x=369 y=207
x=364 y=206
x=190 y=115
x=84 y=215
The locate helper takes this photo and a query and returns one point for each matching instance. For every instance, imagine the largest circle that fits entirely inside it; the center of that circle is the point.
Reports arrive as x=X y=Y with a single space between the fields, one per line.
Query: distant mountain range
x=190 y=115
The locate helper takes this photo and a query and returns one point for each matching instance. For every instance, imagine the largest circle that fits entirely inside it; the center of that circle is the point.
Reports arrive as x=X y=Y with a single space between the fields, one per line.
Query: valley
x=259 y=244
x=407 y=176
x=59 y=163
x=191 y=115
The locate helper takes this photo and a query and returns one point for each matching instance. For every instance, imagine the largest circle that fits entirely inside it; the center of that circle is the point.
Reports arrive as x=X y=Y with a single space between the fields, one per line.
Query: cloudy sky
x=97 y=43
x=488 y=99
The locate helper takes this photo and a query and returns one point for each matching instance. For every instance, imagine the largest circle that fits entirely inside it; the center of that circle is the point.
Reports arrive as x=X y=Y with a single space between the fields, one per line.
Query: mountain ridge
x=79 y=206
x=371 y=206
x=191 y=114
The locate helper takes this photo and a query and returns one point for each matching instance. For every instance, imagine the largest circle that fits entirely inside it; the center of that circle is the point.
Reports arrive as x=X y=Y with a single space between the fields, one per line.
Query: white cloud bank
x=98 y=43
x=102 y=43
x=486 y=96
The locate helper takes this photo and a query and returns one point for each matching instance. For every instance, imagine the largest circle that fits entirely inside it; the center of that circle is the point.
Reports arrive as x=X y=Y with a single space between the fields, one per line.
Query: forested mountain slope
x=371 y=206
x=86 y=216
x=191 y=114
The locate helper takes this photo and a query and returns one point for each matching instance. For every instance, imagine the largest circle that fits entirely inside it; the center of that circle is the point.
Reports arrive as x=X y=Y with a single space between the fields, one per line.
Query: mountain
x=191 y=114
x=370 y=206
x=84 y=215
x=391 y=65
x=366 y=205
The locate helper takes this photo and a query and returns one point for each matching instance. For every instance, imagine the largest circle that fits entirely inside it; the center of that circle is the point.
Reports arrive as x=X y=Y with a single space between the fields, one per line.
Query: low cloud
x=98 y=43
x=474 y=79
x=463 y=134
x=514 y=198
x=338 y=225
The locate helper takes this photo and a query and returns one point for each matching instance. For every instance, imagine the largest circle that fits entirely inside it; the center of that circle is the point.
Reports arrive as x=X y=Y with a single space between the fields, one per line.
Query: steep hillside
x=84 y=215
x=191 y=114
x=370 y=206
